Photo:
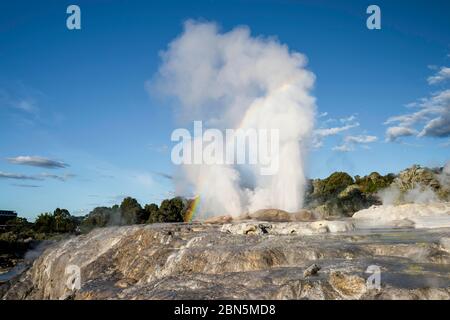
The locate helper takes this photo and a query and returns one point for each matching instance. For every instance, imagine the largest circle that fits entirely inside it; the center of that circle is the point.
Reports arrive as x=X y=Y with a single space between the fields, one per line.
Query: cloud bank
x=334 y=130
x=351 y=141
x=442 y=75
x=432 y=118
x=18 y=176
x=393 y=133
x=42 y=176
x=36 y=161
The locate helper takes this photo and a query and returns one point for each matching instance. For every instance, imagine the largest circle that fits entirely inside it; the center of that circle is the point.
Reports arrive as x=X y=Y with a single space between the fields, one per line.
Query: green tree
x=131 y=211
x=45 y=223
x=19 y=225
x=101 y=217
x=171 y=210
x=331 y=186
x=152 y=212
x=64 y=222
x=59 y=222
x=374 y=182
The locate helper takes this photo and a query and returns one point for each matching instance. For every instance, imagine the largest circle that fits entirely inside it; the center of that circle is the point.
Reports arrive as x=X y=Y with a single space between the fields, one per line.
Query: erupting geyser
x=233 y=80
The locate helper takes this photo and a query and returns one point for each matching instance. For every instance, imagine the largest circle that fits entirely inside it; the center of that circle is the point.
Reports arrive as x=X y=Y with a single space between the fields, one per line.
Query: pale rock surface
x=199 y=261
x=288 y=228
x=348 y=286
x=445 y=244
x=270 y=215
x=417 y=215
x=311 y=270
x=219 y=219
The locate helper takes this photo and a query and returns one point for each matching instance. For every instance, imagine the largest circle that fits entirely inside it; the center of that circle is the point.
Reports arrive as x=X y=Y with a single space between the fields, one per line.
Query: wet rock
x=209 y=261
x=350 y=191
x=288 y=228
x=333 y=226
x=7 y=262
x=445 y=244
x=311 y=270
x=348 y=286
x=323 y=211
x=219 y=219
x=270 y=215
x=266 y=215
x=403 y=223
x=246 y=228
x=303 y=215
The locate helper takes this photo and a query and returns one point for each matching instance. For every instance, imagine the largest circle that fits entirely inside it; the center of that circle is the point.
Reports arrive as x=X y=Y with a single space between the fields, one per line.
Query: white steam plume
x=419 y=193
x=233 y=80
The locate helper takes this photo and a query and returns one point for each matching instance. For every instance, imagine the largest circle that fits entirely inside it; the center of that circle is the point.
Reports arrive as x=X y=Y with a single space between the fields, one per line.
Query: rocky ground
x=248 y=259
x=321 y=252
x=7 y=262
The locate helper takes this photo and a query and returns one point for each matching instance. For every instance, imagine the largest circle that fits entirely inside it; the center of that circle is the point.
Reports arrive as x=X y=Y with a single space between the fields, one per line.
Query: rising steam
x=233 y=80
x=418 y=193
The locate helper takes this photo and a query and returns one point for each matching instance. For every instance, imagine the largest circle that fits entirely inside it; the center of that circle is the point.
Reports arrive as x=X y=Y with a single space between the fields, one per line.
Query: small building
x=6 y=215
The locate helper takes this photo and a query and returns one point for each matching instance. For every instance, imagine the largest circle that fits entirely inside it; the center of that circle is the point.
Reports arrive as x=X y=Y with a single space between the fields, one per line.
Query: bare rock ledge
x=242 y=260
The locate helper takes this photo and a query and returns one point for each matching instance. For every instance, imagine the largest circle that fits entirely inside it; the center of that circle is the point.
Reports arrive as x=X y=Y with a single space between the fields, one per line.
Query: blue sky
x=79 y=97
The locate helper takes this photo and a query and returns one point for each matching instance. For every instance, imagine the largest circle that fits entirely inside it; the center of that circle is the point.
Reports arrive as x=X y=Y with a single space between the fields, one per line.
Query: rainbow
x=192 y=209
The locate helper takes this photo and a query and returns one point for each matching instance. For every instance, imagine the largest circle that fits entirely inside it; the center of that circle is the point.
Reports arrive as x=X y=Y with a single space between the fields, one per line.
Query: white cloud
x=63 y=177
x=432 y=119
x=27 y=106
x=343 y=148
x=42 y=176
x=351 y=141
x=348 y=119
x=442 y=75
x=22 y=98
x=330 y=120
x=445 y=144
x=37 y=161
x=23 y=185
x=393 y=133
x=360 y=139
x=17 y=176
x=321 y=133
x=407 y=120
x=317 y=143
x=144 y=179
x=335 y=130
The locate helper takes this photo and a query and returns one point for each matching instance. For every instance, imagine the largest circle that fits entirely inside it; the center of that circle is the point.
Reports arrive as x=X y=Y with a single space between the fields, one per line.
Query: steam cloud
x=233 y=80
x=420 y=193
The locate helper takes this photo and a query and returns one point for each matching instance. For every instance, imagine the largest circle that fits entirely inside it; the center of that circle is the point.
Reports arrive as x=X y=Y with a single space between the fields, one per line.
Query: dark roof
x=8 y=213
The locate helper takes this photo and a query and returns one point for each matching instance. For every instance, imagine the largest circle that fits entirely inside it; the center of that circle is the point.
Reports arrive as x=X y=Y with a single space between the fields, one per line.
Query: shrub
x=131 y=211
x=59 y=222
x=170 y=210
x=374 y=182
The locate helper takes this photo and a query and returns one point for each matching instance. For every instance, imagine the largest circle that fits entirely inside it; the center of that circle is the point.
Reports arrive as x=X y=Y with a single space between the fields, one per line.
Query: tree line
x=127 y=213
